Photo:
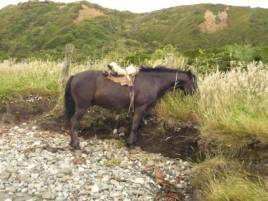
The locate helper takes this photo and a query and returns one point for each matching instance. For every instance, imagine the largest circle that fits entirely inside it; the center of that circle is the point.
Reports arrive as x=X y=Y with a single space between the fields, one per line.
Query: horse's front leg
x=75 y=124
x=138 y=114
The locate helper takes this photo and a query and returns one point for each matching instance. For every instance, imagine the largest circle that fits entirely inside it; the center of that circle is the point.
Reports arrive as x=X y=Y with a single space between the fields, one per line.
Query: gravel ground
x=39 y=165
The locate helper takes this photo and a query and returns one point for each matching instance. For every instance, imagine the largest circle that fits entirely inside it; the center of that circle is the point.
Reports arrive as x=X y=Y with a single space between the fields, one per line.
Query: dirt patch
x=88 y=13
x=62 y=7
x=213 y=23
x=155 y=135
x=175 y=142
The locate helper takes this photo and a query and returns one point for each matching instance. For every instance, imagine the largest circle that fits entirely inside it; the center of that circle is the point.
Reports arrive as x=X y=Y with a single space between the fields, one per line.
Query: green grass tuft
x=234 y=188
x=176 y=106
x=221 y=179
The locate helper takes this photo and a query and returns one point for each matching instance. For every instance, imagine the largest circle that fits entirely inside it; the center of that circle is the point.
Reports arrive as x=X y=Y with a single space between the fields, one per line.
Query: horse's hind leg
x=75 y=124
x=138 y=114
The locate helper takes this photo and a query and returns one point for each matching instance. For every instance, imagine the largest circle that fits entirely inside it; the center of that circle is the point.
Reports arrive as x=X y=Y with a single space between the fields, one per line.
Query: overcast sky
x=150 y=5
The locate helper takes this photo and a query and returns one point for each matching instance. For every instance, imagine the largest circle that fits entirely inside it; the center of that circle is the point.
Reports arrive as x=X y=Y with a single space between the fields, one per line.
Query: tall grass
x=222 y=179
x=235 y=188
x=232 y=105
x=177 y=107
x=231 y=108
x=39 y=77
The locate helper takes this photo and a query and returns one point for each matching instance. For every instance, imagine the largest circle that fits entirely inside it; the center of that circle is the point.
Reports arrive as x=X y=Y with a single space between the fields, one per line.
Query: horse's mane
x=159 y=69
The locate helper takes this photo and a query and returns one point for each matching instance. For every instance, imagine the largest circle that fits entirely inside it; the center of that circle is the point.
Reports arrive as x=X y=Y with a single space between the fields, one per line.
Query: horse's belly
x=112 y=101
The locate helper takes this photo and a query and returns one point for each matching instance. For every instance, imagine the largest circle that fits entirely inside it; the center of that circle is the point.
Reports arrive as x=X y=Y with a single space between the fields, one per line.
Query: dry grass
x=235 y=188
x=36 y=77
x=212 y=168
x=221 y=179
x=232 y=105
x=231 y=108
x=175 y=106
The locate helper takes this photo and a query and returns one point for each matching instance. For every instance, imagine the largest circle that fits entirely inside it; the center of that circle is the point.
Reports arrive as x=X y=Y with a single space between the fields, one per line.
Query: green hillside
x=41 y=29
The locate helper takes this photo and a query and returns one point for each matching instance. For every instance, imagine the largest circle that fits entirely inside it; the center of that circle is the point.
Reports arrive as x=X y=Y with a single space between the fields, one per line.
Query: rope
x=176 y=81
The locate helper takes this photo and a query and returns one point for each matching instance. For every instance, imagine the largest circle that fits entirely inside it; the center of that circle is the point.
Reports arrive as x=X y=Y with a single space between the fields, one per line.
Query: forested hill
x=41 y=29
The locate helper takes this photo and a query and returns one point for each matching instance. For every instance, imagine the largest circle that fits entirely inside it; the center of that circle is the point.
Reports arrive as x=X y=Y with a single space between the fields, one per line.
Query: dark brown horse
x=93 y=88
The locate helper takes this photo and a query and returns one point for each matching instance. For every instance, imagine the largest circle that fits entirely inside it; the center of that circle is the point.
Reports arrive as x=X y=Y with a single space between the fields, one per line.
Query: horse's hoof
x=131 y=142
x=130 y=147
x=75 y=145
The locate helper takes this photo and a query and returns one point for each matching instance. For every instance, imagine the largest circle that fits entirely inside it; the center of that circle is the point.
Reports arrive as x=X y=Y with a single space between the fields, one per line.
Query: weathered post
x=69 y=49
x=170 y=59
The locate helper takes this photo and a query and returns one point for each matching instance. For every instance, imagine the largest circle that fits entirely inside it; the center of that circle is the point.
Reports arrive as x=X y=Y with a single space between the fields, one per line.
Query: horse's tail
x=69 y=104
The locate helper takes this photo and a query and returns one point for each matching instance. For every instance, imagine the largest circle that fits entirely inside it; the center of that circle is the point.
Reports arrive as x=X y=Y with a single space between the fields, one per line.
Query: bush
x=222 y=59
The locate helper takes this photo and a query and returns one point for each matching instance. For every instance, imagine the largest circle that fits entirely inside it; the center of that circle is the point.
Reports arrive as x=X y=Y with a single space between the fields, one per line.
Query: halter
x=176 y=81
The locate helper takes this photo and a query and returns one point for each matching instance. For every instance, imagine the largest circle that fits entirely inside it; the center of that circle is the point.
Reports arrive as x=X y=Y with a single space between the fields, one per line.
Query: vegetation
x=38 y=77
x=223 y=180
x=34 y=77
x=230 y=110
x=42 y=29
x=230 y=107
x=112 y=163
x=236 y=188
x=234 y=108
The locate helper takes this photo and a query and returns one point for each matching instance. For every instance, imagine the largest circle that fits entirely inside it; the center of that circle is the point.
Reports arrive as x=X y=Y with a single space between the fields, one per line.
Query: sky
x=139 y=6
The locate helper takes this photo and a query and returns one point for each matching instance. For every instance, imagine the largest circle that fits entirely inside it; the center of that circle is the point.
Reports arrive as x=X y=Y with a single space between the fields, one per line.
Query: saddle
x=122 y=80
x=124 y=77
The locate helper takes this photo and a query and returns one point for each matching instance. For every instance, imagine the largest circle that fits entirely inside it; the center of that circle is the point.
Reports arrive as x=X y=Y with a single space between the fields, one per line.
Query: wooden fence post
x=170 y=59
x=69 y=49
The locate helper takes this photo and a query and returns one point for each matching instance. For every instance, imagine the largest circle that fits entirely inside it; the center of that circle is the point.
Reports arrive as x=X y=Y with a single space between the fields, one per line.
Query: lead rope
x=176 y=80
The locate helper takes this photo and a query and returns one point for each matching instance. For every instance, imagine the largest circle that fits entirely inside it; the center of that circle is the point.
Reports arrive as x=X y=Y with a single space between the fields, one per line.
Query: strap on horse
x=125 y=77
x=132 y=95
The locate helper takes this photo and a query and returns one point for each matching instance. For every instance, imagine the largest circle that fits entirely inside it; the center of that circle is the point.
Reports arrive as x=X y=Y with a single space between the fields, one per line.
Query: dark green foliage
x=41 y=30
x=207 y=60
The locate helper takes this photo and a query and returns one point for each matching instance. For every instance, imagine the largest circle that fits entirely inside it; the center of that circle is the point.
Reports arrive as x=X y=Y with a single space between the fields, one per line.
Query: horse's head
x=189 y=84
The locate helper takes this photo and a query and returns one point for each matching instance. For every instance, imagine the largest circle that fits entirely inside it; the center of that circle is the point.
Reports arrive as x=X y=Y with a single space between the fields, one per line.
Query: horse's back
x=92 y=87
